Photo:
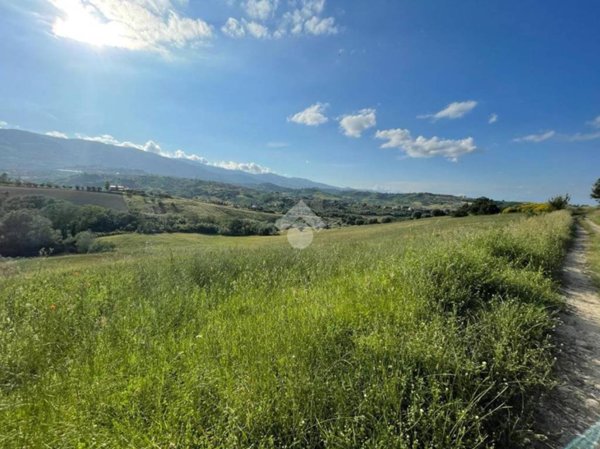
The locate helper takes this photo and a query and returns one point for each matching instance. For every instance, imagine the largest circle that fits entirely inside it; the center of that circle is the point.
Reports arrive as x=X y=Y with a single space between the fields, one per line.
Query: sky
x=495 y=98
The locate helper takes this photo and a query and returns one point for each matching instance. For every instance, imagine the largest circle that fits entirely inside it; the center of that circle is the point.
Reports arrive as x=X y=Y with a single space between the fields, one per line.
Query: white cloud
x=3 y=124
x=257 y=30
x=303 y=17
x=57 y=134
x=584 y=137
x=312 y=116
x=238 y=29
x=536 y=138
x=493 y=118
x=454 y=110
x=151 y=25
x=422 y=147
x=249 y=167
x=261 y=9
x=355 y=125
x=233 y=28
x=152 y=147
x=180 y=154
x=317 y=26
x=595 y=123
x=306 y=18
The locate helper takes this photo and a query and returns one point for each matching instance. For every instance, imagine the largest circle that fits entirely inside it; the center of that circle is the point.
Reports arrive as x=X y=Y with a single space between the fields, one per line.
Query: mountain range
x=28 y=151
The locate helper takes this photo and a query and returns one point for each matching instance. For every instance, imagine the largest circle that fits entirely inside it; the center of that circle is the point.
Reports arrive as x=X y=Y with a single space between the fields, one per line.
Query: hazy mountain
x=23 y=150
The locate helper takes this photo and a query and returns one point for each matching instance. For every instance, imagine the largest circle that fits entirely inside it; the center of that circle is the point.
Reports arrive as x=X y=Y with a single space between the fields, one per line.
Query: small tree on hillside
x=596 y=191
x=107 y=186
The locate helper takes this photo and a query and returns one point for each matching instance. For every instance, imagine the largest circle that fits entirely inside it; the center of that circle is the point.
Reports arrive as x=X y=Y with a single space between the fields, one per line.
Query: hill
x=27 y=151
x=341 y=206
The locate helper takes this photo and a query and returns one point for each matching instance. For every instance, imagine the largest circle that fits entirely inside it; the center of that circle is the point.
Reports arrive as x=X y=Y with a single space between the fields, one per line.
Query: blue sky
x=381 y=94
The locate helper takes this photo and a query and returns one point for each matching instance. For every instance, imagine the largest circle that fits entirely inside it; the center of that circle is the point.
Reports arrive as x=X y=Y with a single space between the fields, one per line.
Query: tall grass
x=442 y=341
x=593 y=254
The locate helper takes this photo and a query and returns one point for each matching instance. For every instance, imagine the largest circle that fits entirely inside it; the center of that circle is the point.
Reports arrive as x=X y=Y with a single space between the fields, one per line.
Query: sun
x=81 y=24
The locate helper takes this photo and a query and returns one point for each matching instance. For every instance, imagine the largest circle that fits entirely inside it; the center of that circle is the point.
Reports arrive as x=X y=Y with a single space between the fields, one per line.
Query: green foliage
x=24 y=233
x=559 y=202
x=417 y=340
x=596 y=191
x=480 y=206
x=531 y=208
x=86 y=242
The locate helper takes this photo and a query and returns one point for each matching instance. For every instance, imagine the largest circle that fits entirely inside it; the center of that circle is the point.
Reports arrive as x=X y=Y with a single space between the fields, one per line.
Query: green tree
x=559 y=202
x=596 y=191
x=107 y=186
x=25 y=233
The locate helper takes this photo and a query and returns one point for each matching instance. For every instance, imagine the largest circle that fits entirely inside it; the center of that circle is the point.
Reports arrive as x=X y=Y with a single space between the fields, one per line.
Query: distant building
x=117 y=188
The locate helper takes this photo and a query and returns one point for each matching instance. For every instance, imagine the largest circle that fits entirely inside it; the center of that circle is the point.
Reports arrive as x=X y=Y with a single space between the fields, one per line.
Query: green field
x=425 y=334
x=133 y=246
x=81 y=198
x=149 y=205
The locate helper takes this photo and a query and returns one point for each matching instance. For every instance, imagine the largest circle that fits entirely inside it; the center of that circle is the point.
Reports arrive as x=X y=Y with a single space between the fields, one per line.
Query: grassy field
x=80 y=198
x=595 y=216
x=149 y=205
x=427 y=334
x=594 y=250
x=132 y=246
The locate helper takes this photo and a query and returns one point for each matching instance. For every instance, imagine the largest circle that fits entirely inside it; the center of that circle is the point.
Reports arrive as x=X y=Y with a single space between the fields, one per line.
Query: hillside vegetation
x=114 y=202
x=421 y=337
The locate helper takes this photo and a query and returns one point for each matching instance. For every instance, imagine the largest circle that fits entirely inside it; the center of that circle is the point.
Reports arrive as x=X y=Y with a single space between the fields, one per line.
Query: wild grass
x=595 y=216
x=593 y=253
x=429 y=340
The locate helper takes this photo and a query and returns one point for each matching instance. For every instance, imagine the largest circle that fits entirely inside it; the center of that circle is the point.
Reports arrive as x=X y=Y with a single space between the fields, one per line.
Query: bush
x=25 y=233
x=559 y=202
x=86 y=242
x=484 y=206
x=241 y=227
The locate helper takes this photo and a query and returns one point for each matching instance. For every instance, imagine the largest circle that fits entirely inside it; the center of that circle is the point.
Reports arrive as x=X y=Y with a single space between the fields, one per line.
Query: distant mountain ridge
x=21 y=150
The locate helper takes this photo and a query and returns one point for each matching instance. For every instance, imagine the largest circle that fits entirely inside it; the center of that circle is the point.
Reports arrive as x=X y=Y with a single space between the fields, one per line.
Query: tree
x=484 y=206
x=107 y=186
x=25 y=233
x=559 y=202
x=596 y=191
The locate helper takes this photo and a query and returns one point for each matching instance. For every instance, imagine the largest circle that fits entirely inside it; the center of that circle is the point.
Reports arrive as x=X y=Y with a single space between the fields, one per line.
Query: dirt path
x=574 y=407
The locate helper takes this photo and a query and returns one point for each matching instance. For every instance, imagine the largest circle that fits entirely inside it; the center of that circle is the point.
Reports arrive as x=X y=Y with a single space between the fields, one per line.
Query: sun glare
x=81 y=25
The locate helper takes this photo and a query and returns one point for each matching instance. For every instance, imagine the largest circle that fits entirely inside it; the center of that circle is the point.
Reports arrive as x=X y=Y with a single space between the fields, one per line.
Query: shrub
x=559 y=202
x=484 y=206
x=86 y=242
x=25 y=233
